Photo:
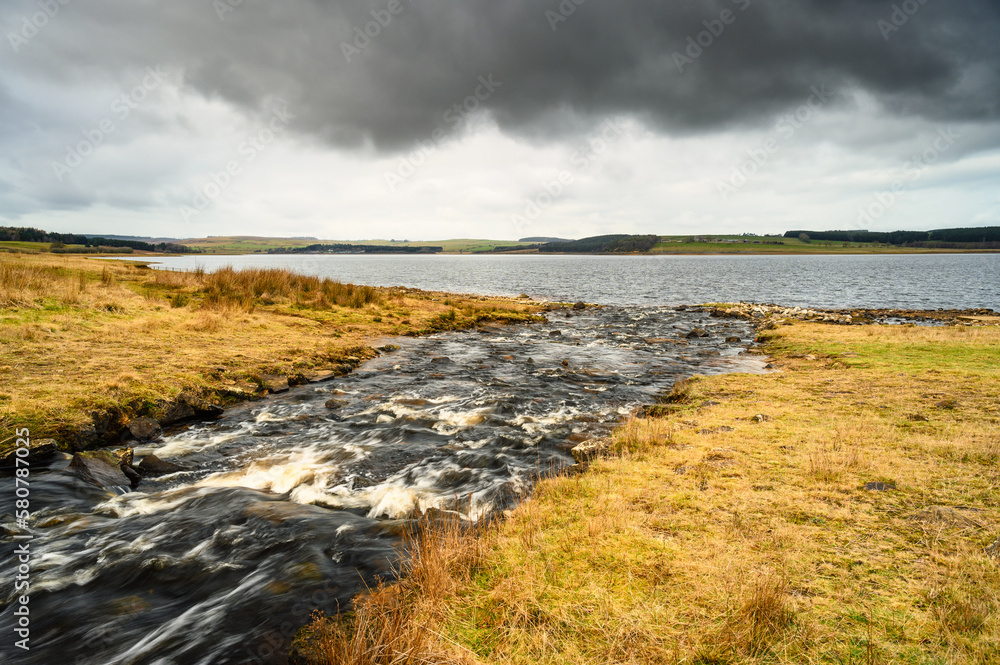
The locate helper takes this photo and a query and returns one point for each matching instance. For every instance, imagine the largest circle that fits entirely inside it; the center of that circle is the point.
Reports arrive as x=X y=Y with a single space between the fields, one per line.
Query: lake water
x=916 y=281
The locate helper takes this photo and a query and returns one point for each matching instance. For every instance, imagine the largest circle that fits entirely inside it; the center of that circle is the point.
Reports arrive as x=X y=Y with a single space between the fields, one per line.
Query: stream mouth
x=290 y=504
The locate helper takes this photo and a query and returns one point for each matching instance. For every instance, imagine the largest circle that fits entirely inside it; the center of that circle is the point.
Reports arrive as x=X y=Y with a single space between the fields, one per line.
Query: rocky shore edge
x=103 y=449
x=762 y=314
x=96 y=460
x=767 y=317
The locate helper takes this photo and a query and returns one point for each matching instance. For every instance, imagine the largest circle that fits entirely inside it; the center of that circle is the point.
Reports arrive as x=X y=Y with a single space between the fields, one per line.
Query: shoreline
x=91 y=346
x=140 y=255
x=226 y=381
x=811 y=514
x=848 y=252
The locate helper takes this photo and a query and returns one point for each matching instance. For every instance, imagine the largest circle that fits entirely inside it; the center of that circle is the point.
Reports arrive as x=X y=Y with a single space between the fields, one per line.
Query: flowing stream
x=290 y=506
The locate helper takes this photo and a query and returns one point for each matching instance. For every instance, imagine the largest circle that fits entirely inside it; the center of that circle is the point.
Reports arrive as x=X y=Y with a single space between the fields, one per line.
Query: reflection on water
x=288 y=505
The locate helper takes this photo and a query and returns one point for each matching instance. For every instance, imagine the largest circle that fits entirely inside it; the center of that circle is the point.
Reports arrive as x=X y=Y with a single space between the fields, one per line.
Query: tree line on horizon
x=27 y=234
x=987 y=237
x=609 y=244
x=344 y=248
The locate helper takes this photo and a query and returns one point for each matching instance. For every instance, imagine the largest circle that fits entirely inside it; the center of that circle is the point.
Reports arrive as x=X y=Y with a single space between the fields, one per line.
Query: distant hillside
x=24 y=234
x=987 y=237
x=544 y=240
x=343 y=248
x=146 y=239
x=612 y=244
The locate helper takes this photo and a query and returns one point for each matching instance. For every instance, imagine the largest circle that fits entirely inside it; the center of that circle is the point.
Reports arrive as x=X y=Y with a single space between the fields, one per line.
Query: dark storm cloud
x=561 y=65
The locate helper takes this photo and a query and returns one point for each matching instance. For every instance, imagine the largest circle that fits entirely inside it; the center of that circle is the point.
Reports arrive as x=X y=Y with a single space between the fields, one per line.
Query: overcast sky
x=432 y=119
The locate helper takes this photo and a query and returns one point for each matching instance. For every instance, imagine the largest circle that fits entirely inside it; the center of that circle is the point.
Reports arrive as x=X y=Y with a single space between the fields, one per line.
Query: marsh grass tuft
x=245 y=289
x=392 y=624
x=761 y=619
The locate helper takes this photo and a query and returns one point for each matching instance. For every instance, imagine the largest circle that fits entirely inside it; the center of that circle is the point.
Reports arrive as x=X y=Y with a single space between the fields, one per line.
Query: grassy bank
x=80 y=335
x=742 y=527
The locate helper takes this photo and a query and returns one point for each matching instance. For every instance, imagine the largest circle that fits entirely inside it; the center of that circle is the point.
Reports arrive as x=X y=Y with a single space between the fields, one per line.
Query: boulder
x=274 y=383
x=145 y=429
x=319 y=376
x=134 y=478
x=335 y=403
x=108 y=425
x=555 y=333
x=125 y=456
x=591 y=449
x=697 y=332
x=202 y=407
x=733 y=340
x=84 y=437
x=243 y=390
x=38 y=449
x=177 y=411
x=580 y=305
x=100 y=468
x=151 y=465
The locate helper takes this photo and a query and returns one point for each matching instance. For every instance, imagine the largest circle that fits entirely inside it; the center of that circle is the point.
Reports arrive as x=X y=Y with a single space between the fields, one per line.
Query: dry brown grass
x=393 y=624
x=715 y=538
x=71 y=327
x=248 y=288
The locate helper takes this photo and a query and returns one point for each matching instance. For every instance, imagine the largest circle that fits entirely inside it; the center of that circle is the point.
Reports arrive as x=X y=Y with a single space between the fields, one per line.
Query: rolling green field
x=256 y=244
x=24 y=246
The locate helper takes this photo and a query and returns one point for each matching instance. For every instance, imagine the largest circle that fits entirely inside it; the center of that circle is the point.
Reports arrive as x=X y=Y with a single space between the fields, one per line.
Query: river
x=287 y=505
